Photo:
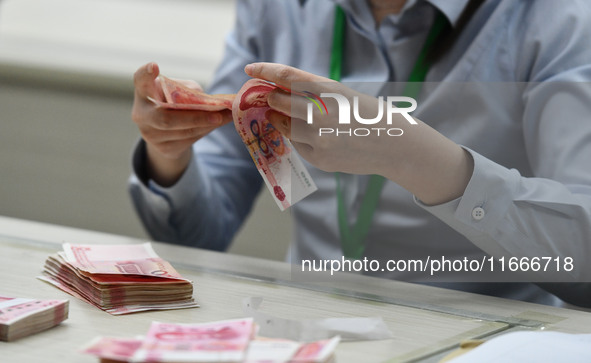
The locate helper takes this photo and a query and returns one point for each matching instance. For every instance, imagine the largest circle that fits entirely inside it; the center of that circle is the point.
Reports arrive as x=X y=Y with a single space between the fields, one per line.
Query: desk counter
x=426 y=322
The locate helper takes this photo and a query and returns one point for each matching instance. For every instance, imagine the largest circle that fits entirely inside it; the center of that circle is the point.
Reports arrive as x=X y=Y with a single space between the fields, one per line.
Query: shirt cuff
x=487 y=197
x=184 y=190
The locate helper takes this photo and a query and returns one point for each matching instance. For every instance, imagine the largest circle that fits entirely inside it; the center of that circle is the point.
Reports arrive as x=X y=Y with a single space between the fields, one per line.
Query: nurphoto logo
x=344 y=105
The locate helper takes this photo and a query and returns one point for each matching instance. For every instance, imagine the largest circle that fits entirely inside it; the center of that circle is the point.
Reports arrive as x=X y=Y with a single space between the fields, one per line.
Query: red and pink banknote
x=119 y=279
x=179 y=96
x=285 y=175
x=221 y=341
x=20 y=317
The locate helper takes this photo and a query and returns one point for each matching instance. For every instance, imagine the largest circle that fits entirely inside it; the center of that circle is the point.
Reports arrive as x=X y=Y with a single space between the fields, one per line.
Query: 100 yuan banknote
x=114 y=349
x=221 y=341
x=134 y=259
x=281 y=168
x=179 y=96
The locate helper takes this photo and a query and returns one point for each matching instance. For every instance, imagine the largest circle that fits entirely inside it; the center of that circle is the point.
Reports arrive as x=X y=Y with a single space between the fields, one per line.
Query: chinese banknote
x=20 y=317
x=221 y=341
x=119 y=279
x=285 y=175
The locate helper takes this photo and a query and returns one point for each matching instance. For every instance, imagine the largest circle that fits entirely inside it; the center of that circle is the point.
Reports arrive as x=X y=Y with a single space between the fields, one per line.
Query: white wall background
x=111 y=37
x=66 y=135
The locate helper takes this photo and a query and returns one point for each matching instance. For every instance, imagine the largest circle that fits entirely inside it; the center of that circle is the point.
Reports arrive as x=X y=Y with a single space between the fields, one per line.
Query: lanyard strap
x=352 y=239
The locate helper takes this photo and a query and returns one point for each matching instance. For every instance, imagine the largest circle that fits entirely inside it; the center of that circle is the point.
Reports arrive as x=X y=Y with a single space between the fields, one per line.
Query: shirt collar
x=451 y=9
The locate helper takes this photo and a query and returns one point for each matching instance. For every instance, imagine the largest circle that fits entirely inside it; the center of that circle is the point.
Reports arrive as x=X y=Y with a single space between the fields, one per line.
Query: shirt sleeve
x=548 y=213
x=212 y=198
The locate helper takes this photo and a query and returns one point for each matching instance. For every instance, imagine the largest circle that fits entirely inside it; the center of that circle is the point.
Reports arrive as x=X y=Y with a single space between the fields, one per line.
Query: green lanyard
x=352 y=239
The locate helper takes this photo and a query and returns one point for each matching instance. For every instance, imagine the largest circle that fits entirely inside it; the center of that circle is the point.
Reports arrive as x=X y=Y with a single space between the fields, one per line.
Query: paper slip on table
x=426 y=322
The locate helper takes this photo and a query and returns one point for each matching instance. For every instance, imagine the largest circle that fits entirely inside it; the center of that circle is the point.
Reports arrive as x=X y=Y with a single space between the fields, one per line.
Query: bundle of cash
x=262 y=350
x=119 y=279
x=285 y=175
x=179 y=96
x=222 y=341
x=20 y=317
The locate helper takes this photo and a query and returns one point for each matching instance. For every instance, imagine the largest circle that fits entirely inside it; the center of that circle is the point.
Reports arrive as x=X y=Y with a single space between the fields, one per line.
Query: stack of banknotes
x=21 y=317
x=119 y=279
x=221 y=341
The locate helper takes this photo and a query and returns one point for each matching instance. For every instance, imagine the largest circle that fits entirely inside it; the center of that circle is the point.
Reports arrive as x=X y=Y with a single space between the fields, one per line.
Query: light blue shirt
x=530 y=192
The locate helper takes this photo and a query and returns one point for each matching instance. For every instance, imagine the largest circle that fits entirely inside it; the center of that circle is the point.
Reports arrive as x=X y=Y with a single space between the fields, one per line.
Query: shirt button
x=478 y=213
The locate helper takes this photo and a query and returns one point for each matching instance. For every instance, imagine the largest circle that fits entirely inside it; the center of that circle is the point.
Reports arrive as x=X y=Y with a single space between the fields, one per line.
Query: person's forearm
x=166 y=171
x=429 y=165
x=197 y=210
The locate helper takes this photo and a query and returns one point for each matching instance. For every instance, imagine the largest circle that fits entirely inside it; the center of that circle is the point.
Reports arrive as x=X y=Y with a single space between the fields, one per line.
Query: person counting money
x=491 y=171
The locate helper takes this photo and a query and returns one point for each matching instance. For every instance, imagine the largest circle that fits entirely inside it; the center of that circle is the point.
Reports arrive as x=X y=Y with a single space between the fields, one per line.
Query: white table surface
x=426 y=321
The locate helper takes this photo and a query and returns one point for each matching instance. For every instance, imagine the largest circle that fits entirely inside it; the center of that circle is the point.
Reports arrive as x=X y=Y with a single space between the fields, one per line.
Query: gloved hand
x=169 y=134
x=417 y=157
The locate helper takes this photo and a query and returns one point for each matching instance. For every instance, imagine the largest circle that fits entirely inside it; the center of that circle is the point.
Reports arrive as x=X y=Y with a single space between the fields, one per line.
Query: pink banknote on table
x=115 y=349
x=285 y=175
x=14 y=309
x=20 y=317
x=222 y=341
x=316 y=352
x=265 y=350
